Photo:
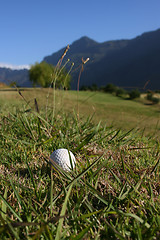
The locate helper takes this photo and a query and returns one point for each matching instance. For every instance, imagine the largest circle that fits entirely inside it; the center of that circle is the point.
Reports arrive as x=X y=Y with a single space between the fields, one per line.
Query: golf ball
x=63 y=158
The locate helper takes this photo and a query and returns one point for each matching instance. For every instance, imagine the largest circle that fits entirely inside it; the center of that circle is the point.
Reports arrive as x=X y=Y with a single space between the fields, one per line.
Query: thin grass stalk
x=79 y=76
x=78 y=92
x=72 y=65
x=54 y=74
x=63 y=212
x=51 y=192
x=54 y=88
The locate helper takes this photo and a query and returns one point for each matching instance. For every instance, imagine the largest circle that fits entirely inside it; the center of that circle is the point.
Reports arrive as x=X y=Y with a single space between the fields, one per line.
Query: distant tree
x=41 y=74
x=135 y=93
x=83 y=88
x=157 y=91
x=120 y=92
x=44 y=74
x=94 y=87
x=110 y=88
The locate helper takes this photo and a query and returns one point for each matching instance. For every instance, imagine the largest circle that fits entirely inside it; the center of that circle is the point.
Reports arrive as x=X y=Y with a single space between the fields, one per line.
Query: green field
x=111 y=110
x=113 y=193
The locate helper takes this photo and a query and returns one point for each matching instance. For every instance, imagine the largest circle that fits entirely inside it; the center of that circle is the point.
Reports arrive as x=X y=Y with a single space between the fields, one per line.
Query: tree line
x=113 y=89
x=121 y=92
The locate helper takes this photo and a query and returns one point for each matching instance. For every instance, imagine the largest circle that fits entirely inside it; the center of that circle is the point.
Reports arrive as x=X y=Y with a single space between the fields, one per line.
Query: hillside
x=125 y=63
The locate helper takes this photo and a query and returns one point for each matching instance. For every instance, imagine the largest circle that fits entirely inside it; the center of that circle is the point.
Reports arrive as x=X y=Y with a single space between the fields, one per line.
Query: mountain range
x=125 y=63
x=20 y=77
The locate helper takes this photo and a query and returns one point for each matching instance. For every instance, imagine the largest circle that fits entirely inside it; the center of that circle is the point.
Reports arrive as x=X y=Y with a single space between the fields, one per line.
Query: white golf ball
x=63 y=158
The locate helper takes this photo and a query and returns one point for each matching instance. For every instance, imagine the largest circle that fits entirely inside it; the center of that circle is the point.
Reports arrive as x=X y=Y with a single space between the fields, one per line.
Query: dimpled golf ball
x=63 y=158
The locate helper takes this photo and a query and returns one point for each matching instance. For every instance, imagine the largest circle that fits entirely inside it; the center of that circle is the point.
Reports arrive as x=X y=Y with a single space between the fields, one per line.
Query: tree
x=135 y=93
x=120 y=92
x=94 y=87
x=45 y=74
x=110 y=88
x=40 y=74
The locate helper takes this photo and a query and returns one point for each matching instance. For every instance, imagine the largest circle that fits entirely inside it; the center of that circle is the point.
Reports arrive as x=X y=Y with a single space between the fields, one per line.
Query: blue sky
x=33 y=29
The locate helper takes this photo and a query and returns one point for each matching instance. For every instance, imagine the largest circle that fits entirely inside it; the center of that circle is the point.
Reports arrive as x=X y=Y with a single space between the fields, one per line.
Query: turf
x=113 y=193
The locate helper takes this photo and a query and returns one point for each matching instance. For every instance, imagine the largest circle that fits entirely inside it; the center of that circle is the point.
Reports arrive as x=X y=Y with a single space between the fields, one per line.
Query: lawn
x=114 y=190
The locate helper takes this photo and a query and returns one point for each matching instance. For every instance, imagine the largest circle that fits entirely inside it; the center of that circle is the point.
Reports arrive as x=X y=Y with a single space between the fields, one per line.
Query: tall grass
x=113 y=193
x=54 y=77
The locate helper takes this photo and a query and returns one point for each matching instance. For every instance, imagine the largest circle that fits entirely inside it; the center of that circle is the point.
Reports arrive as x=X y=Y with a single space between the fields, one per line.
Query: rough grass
x=112 y=194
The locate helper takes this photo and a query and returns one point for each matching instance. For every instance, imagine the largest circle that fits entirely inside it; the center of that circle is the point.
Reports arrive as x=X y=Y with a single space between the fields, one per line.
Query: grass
x=111 y=110
x=113 y=193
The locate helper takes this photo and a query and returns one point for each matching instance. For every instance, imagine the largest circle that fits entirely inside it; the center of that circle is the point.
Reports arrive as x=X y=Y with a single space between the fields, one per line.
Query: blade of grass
x=135 y=188
x=122 y=195
x=116 y=134
x=134 y=216
x=31 y=175
x=15 y=191
x=116 y=177
x=87 y=138
x=63 y=212
x=154 y=168
x=82 y=233
x=124 y=135
x=84 y=216
x=10 y=208
x=4 y=207
x=51 y=192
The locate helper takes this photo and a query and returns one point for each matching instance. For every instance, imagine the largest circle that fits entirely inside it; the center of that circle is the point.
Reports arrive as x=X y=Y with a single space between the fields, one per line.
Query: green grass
x=112 y=194
x=111 y=110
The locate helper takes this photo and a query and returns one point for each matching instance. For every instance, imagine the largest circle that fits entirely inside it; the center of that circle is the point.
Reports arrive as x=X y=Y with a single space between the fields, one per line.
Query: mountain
x=125 y=63
x=86 y=47
x=20 y=77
